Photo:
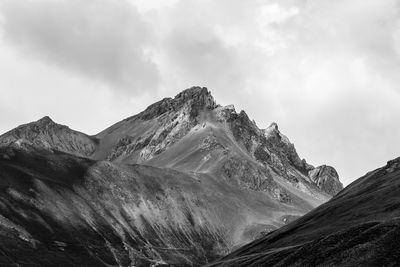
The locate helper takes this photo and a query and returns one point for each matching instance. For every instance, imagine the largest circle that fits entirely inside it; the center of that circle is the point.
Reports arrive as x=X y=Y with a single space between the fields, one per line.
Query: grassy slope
x=358 y=226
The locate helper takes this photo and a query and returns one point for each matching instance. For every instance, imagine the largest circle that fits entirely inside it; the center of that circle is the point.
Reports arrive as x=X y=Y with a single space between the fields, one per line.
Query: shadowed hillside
x=358 y=227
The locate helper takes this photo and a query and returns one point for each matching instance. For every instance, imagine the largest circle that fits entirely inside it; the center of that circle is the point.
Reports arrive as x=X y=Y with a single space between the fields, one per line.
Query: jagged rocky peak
x=326 y=178
x=201 y=95
x=46 y=120
x=225 y=112
x=270 y=147
x=273 y=129
x=198 y=98
x=45 y=123
x=171 y=119
x=274 y=126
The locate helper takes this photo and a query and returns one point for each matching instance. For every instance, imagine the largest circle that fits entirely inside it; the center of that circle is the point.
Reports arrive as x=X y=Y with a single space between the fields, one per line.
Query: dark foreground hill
x=181 y=183
x=358 y=227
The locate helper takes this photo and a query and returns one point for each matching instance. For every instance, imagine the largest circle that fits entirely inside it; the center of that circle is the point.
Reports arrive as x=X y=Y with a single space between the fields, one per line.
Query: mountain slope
x=64 y=206
x=358 y=227
x=192 y=133
x=183 y=182
x=47 y=134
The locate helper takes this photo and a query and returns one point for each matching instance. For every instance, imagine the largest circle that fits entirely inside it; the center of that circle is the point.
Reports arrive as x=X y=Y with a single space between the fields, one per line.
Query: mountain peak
x=192 y=91
x=326 y=178
x=197 y=93
x=45 y=133
x=45 y=120
x=274 y=126
x=199 y=98
x=271 y=130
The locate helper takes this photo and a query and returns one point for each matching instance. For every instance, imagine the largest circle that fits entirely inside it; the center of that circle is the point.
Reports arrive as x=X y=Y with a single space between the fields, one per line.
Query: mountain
x=181 y=183
x=360 y=226
x=46 y=133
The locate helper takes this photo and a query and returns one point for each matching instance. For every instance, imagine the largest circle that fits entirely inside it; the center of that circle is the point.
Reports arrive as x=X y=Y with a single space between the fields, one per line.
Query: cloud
x=334 y=76
x=101 y=39
x=204 y=43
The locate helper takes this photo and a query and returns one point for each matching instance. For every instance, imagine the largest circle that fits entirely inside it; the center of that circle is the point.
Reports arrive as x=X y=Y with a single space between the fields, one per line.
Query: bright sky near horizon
x=325 y=71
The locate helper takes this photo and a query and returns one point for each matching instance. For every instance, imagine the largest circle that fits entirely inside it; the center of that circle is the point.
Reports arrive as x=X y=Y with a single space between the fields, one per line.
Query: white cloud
x=101 y=39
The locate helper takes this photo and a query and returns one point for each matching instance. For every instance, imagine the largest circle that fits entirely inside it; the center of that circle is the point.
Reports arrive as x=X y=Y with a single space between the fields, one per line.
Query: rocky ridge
x=326 y=178
x=169 y=121
x=47 y=134
x=172 y=119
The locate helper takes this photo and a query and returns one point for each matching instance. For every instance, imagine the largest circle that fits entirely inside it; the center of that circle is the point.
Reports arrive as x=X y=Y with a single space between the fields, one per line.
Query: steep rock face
x=271 y=148
x=47 y=134
x=327 y=179
x=284 y=149
x=360 y=226
x=254 y=177
x=196 y=98
x=157 y=128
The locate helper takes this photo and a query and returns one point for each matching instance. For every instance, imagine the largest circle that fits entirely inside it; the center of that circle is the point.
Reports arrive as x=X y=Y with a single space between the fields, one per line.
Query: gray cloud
x=101 y=39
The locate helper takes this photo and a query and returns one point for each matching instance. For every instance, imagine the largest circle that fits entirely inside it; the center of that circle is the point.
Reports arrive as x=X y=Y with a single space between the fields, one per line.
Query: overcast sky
x=326 y=71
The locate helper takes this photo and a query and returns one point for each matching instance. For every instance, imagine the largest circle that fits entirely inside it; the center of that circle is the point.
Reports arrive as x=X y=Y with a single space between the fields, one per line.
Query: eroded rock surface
x=327 y=179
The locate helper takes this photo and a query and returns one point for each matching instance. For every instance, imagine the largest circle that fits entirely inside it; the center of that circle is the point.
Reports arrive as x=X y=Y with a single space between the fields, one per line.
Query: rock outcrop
x=195 y=99
x=326 y=178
